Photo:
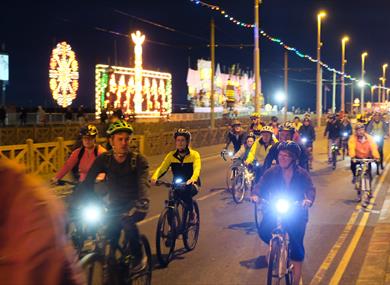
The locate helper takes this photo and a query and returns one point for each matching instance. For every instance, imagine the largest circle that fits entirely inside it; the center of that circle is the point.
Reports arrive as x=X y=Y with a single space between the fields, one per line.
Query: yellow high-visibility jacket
x=258 y=150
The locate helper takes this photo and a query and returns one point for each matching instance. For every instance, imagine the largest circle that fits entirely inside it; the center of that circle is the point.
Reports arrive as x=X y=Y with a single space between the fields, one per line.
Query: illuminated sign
x=137 y=91
x=63 y=74
x=4 y=63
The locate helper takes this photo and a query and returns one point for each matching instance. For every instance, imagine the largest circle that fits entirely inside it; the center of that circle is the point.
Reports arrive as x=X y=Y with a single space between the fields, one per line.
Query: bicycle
x=335 y=150
x=110 y=262
x=174 y=221
x=363 y=181
x=243 y=182
x=231 y=171
x=344 y=144
x=279 y=263
x=309 y=150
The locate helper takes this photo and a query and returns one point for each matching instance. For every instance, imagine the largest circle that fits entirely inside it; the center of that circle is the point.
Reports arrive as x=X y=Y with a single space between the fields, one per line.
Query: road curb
x=376 y=265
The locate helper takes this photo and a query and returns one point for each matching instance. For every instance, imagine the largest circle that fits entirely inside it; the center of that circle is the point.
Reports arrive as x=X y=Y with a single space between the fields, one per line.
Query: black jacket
x=333 y=130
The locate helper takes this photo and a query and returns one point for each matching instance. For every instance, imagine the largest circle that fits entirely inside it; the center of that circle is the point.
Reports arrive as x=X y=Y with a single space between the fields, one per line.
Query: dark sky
x=30 y=31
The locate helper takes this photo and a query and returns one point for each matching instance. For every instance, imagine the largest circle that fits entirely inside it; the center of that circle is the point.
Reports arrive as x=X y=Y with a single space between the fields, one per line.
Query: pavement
x=344 y=243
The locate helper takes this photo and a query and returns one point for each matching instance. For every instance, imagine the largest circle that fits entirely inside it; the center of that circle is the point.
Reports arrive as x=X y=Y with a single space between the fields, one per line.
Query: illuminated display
x=137 y=91
x=63 y=74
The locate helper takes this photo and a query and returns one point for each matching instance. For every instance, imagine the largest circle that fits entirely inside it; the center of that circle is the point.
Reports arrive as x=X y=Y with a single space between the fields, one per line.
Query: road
x=230 y=252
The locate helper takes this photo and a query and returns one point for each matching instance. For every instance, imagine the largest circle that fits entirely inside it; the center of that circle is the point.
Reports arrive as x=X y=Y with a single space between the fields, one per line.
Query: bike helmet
x=267 y=129
x=255 y=115
x=287 y=126
x=235 y=123
x=306 y=119
x=274 y=119
x=291 y=147
x=120 y=126
x=89 y=130
x=251 y=135
x=183 y=133
x=359 y=126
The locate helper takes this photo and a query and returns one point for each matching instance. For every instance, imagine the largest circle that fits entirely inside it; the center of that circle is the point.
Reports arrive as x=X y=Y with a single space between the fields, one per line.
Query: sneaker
x=382 y=166
x=353 y=179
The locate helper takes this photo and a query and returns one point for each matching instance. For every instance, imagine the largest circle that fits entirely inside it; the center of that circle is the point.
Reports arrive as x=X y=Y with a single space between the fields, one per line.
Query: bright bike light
x=282 y=206
x=304 y=140
x=178 y=180
x=377 y=138
x=257 y=164
x=92 y=214
x=345 y=134
x=230 y=153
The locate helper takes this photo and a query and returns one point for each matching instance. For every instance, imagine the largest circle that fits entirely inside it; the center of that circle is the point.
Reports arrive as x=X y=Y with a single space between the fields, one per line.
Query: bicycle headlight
x=282 y=206
x=377 y=138
x=345 y=134
x=230 y=153
x=178 y=180
x=92 y=214
x=304 y=140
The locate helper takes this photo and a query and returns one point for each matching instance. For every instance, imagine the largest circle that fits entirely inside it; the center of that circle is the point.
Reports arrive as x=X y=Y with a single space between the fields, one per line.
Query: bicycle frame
x=364 y=180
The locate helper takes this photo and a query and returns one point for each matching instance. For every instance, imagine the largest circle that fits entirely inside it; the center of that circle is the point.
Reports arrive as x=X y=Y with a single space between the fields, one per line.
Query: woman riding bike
x=287 y=179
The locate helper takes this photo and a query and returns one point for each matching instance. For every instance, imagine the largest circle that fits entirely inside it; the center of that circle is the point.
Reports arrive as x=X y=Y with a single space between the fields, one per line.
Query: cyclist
x=236 y=136
x=286 y=133
x=185 y=164
x=308 y=136
x=256 y=125
x=245 y=148
x=261 y=148
x=332 y=130
x=297 y=123
x=81 y=159
x=34 y=248
x=361 y=145
x=287 y=178
x=275 y=125
x=127 y=180
x=378 y=129
x=345 y=130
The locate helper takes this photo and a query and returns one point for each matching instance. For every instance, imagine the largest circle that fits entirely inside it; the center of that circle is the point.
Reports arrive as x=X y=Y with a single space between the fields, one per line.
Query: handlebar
x=66 y=182
x=364 y=160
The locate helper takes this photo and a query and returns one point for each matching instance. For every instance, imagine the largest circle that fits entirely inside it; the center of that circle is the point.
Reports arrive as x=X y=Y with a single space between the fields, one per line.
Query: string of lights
x=278 y=41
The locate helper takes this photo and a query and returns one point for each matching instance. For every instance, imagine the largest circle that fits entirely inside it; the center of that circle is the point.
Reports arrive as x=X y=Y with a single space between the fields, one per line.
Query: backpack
x=75 y=169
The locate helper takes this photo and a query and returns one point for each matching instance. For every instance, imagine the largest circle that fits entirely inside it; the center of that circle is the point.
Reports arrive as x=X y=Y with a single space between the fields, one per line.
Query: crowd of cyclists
x=280 y=155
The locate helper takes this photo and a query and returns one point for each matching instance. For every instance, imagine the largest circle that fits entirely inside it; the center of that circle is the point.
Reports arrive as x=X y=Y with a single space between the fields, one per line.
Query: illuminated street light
x=280 y=96
x=320 y=15
x=362 y=84
x=344 y=40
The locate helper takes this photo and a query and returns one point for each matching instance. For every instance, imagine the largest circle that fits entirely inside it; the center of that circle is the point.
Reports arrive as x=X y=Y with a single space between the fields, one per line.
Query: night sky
x=30 y=31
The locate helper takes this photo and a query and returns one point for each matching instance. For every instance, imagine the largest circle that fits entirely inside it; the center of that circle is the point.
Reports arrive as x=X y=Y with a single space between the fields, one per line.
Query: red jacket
x=34 y=248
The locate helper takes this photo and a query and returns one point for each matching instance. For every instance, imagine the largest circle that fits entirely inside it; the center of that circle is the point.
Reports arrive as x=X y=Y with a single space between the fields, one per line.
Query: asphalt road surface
x=229 y=250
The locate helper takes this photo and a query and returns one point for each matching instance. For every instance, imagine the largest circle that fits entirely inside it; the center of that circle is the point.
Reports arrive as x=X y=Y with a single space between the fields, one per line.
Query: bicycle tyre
x=273 y=262
x=145 y=276
x=93 y=266
x=238 y=188
x=167 y=239
x=230 y=173
x=189 y=240
x=258 y=217
x=334 y=159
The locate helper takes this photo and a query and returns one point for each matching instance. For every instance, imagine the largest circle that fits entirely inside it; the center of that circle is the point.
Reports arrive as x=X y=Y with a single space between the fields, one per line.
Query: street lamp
x=364 y=54
x=384 y=67
x=344 y=40
x=280 y=97
x=320 y=15
x=381 y=80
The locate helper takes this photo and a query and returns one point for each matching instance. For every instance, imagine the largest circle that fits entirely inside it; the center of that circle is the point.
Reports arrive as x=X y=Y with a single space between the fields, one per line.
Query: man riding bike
x=127 y=175
x=308 y=136
x=361 y=145
x=378 y=129
x=287 y=179
x=245 y=148
x=236 y=136
x=297 y=123
x=185 y=164
x=261 y=148
x=256 y=125
x=332 y=130
x=286 y=133
x=81 y=159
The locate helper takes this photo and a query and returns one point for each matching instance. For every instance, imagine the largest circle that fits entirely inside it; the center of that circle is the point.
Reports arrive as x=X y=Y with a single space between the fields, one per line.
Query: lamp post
x=384 y=67
x=320 y=15
x=380 y=89
x=256 y=57
x=344 y=40
x=364 y=54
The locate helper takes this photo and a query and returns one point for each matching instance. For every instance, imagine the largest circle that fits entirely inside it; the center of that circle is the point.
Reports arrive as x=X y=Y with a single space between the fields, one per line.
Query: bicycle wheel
x=145 y=276
x=366 y=187
x=273 y=263
x=334 y=159
x=258 y=217
x=93 y=266
x=191 y=228
x=166 y=236
x=230 y=174
x=238 y=188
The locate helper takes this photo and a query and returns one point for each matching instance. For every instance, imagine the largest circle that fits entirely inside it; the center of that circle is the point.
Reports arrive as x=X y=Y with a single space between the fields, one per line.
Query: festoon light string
x=280 y=42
